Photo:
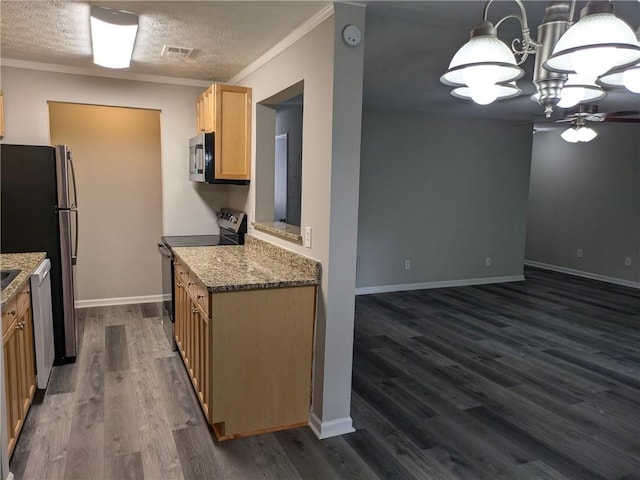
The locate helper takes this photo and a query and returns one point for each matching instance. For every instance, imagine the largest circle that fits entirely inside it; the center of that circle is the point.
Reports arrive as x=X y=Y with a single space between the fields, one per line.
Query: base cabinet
x=19 y=363
x=250 y=357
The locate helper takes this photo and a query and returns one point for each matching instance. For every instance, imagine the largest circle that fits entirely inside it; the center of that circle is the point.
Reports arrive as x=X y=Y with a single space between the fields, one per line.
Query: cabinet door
x=180 y=320
x=20 y=379
x=233 y=132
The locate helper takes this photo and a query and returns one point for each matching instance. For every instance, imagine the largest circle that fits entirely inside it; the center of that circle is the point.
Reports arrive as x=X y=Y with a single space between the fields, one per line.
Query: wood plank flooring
x=526 y=380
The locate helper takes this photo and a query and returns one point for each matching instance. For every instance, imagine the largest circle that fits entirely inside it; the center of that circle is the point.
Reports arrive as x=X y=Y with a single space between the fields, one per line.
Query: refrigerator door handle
x=74 y=256
x=73 y=181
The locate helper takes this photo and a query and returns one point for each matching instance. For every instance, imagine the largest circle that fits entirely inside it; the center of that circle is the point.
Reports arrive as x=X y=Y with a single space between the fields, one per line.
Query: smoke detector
x=176 y=52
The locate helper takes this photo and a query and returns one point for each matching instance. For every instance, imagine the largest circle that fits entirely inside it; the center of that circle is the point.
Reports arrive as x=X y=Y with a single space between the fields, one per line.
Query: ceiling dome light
x=578 y=90
x=599 y=42
x=482 y=63
x=113 y=34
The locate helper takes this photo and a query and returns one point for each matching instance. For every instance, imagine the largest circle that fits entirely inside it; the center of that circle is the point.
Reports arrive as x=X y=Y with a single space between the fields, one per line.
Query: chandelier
x=572 y=60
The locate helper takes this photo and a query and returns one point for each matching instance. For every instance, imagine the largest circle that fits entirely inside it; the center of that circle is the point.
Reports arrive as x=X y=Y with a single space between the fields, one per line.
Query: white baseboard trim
x=332 y=428
x=402 y=287
x=580 y=273
x=107 y=302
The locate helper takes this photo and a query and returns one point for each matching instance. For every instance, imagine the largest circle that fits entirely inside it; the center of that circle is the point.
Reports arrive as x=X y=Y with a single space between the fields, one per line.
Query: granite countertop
x=26 y=263
x=256 y=265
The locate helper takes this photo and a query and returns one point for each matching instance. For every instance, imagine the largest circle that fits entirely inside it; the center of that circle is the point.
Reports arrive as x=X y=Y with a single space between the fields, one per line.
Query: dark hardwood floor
x=527 y=380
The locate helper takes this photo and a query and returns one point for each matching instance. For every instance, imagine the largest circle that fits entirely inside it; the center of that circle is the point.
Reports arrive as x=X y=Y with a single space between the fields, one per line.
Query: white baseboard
x=580 y=273
x=332 y=428
x=402 y=287
x=107 y=302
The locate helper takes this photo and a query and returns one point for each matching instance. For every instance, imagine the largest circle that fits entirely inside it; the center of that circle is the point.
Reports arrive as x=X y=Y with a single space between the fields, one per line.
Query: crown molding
x=285 y=43
x=91 y=72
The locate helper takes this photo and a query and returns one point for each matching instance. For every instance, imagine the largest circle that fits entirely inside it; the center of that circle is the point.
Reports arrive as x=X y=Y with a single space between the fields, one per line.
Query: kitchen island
x=19 y=376
x=245 y=319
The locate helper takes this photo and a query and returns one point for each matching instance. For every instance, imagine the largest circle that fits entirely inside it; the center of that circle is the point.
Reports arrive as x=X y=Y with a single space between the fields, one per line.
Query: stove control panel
x=233 y=220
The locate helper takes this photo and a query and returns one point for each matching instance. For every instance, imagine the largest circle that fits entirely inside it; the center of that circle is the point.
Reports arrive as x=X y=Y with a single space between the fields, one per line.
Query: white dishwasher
x=42 y=321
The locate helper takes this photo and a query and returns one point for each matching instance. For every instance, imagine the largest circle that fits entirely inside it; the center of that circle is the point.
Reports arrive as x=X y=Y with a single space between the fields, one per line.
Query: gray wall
x=587 y=196
x=289 y=120
x=443 y=193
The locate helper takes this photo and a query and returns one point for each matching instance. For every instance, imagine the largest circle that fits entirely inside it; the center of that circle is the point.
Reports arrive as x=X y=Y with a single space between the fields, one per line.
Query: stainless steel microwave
x=202 y=160
x=201 y=157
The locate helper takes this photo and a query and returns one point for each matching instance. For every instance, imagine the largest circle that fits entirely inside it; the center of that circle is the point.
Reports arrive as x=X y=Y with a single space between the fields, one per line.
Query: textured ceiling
x=225 y=36
x=408 y=45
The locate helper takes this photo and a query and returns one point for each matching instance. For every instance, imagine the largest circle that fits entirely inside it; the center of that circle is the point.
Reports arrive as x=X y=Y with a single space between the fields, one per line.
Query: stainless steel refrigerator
x=39 y=213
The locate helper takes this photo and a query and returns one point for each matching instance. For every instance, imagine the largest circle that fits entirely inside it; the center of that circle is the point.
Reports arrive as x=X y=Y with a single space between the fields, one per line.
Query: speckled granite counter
x=26 y=263
x=256 y=265
x=280 y=229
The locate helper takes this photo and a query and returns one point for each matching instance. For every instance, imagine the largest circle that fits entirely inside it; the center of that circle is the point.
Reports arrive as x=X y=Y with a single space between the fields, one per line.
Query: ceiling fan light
x=113 y=35
x=570 y=135
x=594 y=45
x=586 y=134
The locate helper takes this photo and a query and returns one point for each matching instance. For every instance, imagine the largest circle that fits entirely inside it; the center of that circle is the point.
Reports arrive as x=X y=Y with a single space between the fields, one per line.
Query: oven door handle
x=164 y=250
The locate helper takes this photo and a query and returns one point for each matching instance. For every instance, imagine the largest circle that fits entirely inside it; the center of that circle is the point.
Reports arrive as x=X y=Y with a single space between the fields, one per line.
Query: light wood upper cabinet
x=19 y=362
x=1 y=115
x=225 y=110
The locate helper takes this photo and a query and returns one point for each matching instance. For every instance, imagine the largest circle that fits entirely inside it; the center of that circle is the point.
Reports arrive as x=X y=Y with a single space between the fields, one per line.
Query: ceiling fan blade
x=621 y=120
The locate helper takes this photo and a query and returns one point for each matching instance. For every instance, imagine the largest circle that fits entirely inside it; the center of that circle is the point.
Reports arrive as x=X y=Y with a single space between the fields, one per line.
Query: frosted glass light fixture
x=579 y=134
x=628 y=78
x=481 y=64
x=501 y=91
x=597 y=43
x=113 y=34
x=579 y=90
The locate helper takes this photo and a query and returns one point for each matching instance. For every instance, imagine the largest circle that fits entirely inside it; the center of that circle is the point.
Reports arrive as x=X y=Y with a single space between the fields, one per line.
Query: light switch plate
x=307 y=237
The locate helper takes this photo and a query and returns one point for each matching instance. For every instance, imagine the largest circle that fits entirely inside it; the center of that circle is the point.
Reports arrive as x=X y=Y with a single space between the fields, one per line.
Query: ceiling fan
x=580 y=115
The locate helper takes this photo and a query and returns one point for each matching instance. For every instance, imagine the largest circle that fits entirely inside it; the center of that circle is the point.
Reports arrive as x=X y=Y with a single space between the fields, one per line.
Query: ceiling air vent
x=176 y=52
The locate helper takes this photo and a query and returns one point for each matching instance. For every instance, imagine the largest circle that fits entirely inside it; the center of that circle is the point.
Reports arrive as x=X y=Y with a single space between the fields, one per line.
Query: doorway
x=117 y=157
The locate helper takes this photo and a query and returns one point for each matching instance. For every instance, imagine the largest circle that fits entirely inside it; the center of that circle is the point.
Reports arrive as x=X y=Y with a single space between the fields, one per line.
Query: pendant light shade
x=482 y=63
x=577 y=90
x=597 y=43
x=629 y=78
x=502 y=91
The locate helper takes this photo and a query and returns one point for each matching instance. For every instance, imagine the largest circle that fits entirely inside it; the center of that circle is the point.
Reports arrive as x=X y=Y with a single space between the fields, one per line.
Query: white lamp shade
x=579 y=90
x=593 y=46
x=503 y=91
x=570 y=135
x=629 y=78
x=580 y=134
x=113 y=35
x=484 y=59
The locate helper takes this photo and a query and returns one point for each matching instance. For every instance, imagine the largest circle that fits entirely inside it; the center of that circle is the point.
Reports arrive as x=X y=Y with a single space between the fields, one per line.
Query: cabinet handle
x=179 y=285
x=192 y=283
x=194 y=310
x=27 y=292
x=20 y=326
x=200 y=296
x=12 y=313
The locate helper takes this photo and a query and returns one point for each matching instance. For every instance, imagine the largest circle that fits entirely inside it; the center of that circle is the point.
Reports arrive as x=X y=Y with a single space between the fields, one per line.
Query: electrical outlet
x=579 y=253
x=487 y=262
x=307 y=237
x=407 y=264
x=627 y=261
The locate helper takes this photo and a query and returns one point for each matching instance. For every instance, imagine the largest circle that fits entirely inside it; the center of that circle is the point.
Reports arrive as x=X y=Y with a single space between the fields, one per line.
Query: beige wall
x=332 y=75
x=116 y=153
x=187 y=208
